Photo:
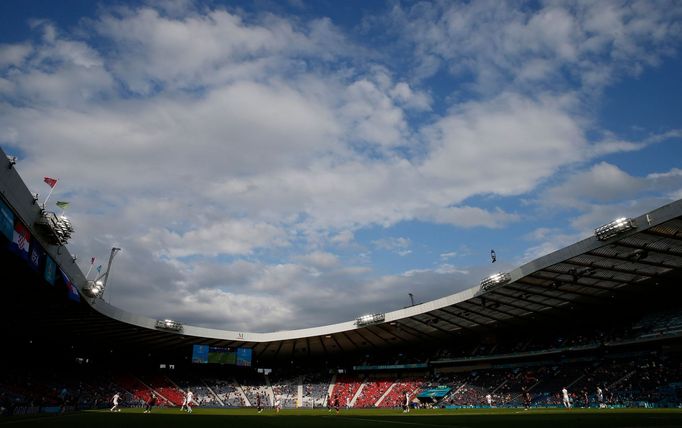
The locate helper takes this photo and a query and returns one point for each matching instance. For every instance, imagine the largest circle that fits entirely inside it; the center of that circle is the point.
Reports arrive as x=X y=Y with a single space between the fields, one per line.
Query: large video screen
x=244 y=357
x=221 y=356
x=204 y=354
x=200 y=354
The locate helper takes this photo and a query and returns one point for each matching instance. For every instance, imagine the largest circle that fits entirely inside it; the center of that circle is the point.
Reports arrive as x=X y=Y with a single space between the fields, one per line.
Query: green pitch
x=465 y=418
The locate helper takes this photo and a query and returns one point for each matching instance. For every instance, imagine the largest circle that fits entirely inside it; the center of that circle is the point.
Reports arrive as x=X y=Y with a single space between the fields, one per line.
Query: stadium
x=600 y=319
x=213 y=212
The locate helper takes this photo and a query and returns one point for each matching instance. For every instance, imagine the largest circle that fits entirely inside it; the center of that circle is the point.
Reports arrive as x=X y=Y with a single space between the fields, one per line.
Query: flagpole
x=48 y=195
x=92 y=263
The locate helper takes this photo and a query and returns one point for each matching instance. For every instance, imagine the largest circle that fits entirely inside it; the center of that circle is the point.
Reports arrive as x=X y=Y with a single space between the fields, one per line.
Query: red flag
x=50 y=181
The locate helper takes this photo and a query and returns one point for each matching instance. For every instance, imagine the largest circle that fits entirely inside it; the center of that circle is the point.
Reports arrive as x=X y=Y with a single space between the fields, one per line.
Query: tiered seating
x=396 y=396
x=372 y=391
x=202 y=394
x=253 y=386
x=134 y=386
x=227 y=392
x=315 y=388
x=286 y=389
x=165 y=387
x=345 y=388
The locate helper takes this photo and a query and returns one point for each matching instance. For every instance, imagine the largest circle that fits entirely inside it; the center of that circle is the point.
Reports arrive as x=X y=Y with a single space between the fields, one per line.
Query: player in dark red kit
x=151 y=402
x=526 y=398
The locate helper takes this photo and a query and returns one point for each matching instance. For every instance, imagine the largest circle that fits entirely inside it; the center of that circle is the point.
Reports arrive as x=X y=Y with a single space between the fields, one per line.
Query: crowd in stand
x=315 y=389
x=643 y=380
x=591 y=377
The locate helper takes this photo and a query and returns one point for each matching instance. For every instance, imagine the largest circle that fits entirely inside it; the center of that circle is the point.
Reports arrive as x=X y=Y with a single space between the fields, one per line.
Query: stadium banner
x=71 y=290
x=6 y=221
x=37 y=255
x=50 y=270
x=435 y=393
x=392 y=367
x=21 y=240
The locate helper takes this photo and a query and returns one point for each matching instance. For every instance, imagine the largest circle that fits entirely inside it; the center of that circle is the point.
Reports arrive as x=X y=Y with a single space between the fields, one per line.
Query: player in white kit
x=189 y=398
x=115 y=400
x=564 y=398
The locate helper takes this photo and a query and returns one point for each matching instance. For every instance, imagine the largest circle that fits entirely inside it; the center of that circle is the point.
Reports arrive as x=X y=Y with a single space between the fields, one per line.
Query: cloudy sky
x=270 y=165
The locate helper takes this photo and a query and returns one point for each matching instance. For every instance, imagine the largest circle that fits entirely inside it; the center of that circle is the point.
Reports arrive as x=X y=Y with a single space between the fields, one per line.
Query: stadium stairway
x=357 y=394
x=137 y=388
x=166 y=389
x=216 y=396
x=242 y=394
x=332 y=385
x=385 y=394
x=269 y=391
x=372 y=392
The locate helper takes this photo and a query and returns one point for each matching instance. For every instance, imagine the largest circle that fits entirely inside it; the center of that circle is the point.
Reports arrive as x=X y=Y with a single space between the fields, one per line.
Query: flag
x=50 y=181
x=6 y=221
x=92 y=261
x=37 y=254
x=50 y=270
x=21 y=240
x=71 y=290
x=99 y=268
x=61 y=204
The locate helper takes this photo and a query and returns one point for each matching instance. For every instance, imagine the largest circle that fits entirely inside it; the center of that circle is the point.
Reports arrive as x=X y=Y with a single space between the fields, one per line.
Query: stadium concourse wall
x=18 y=196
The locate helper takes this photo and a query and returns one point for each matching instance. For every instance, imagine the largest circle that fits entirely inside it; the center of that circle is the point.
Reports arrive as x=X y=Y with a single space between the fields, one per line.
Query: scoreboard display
x=204 y=354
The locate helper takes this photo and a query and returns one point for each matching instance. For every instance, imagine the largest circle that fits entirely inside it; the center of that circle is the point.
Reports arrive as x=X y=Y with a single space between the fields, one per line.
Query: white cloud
x=342 y=238
x=394 y=244
x=603 y=182
x=231 y=236
x=320 y=259
x=504 y=146
x=14 y=54
x=472 y=217
x=557 y=43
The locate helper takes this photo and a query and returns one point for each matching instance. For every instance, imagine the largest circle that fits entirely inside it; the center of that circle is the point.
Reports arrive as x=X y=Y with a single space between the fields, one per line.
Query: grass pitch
x=371 y=418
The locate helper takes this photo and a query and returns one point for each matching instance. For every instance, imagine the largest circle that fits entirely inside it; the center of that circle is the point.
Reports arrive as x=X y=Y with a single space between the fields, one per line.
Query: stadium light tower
x=96 y=287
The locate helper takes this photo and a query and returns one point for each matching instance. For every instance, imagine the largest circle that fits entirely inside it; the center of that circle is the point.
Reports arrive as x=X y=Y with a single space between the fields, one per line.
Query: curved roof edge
x=19 y=197
x=648 y=220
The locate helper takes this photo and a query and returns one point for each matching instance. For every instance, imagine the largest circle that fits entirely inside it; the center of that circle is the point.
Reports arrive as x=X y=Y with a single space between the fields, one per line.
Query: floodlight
x=494 y=281
x=614 y=228
x=94 y=289
x=57 y=229
x=370 y=319
x=169 y=325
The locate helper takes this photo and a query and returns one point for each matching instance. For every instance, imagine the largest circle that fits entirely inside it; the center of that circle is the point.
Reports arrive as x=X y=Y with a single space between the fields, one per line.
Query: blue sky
x=275 y=165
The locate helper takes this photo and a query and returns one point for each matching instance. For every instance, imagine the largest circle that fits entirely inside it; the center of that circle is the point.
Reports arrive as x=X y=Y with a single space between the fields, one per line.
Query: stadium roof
x=581 y=277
